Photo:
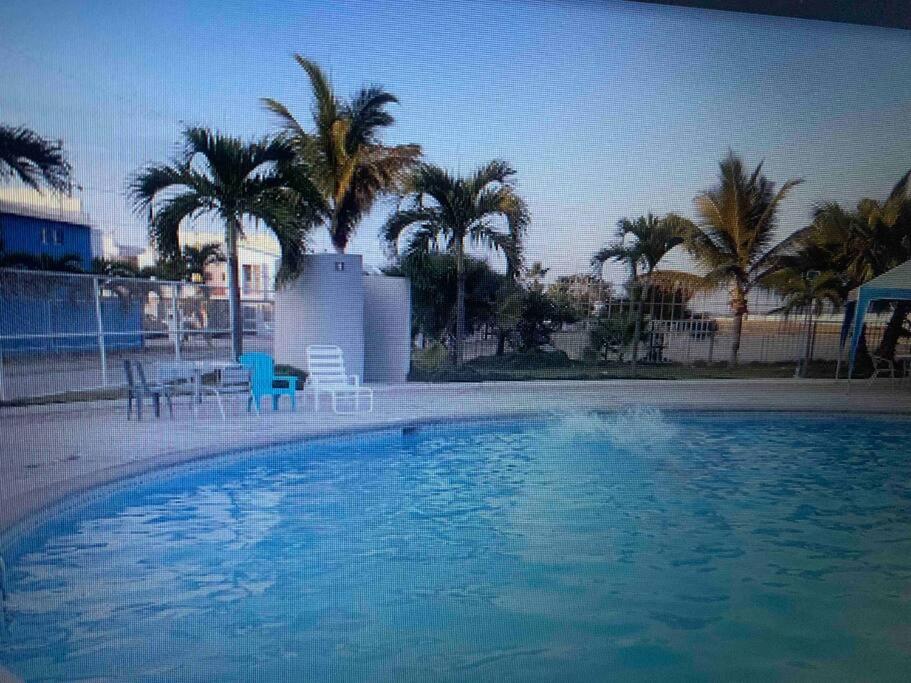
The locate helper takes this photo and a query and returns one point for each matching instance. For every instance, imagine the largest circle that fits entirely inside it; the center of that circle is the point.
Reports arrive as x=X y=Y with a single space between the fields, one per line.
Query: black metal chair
x=139 y=388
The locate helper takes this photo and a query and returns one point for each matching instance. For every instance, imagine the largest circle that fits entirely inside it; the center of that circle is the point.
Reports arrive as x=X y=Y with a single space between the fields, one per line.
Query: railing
x=63 y=332
x=689 y=329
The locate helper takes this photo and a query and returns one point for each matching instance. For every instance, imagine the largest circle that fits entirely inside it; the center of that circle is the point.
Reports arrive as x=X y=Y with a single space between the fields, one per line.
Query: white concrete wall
x=325 y=305
x=387 y=328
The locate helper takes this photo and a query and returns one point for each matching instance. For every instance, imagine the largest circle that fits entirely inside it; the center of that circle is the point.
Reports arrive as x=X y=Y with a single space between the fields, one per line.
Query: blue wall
x=24 y=234
x=59 y=314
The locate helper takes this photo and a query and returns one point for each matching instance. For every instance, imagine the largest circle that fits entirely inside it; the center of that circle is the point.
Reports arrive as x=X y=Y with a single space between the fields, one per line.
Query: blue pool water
x=631 y=546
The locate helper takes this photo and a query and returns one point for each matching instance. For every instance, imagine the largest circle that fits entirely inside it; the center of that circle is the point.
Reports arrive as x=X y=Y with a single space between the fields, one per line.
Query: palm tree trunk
x=460 y=306
x=736 y=333
x=234 y=309
x=893 y=330
x=808 y=348
x=739 y=304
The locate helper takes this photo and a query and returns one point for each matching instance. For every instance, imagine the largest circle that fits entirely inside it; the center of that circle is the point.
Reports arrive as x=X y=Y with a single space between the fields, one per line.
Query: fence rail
x=688 y=328
x=64 y=332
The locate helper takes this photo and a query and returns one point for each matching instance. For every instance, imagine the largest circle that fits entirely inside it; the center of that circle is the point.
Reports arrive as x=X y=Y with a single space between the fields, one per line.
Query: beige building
x=258 y=255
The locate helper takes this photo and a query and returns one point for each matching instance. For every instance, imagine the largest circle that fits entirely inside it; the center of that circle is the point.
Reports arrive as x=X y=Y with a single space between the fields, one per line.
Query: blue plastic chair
x=263 y=379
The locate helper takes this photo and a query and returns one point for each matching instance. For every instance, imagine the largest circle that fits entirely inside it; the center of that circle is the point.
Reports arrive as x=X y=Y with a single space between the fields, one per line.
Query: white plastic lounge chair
x=233 y=379
x=326 y=375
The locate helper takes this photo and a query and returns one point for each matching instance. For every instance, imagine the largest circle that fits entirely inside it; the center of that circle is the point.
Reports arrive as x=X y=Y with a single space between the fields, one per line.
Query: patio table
x=191 y=371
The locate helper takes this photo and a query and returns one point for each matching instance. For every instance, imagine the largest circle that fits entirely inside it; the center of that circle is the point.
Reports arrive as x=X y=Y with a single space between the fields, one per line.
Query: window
x=58 y=236
x=247 y=279
x=44 y=237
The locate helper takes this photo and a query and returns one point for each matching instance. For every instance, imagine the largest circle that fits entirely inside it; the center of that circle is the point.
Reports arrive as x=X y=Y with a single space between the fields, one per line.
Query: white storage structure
x=334 y=302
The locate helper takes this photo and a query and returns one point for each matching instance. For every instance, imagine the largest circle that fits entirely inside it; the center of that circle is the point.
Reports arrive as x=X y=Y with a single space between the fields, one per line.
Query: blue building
x=38 y=224
x=62 y=316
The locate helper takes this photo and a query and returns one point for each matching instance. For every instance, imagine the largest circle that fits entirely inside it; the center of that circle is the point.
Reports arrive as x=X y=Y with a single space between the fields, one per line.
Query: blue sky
x=605 y=109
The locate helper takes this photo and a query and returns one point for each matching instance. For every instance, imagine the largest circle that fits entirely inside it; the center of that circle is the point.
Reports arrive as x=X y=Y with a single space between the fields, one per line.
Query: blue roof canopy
x=893 y=285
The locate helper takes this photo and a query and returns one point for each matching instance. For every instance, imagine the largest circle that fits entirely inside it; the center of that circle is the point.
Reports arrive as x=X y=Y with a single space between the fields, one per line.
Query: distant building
x=51 y=224
x=258 y=255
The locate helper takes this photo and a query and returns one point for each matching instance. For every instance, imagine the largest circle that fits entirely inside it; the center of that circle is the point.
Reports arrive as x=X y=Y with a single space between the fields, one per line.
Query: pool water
x=623 y=547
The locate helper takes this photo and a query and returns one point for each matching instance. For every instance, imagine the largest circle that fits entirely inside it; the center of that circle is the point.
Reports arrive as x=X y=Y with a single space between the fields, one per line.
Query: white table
x=177 y=371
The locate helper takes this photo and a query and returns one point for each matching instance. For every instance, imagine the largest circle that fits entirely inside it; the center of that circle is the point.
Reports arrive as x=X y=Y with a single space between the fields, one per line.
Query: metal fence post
x=100 y=322
x=2 y=385
x=175 y=316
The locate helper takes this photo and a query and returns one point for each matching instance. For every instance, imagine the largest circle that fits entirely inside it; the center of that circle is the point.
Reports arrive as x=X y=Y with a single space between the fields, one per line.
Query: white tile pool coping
x=50 y=453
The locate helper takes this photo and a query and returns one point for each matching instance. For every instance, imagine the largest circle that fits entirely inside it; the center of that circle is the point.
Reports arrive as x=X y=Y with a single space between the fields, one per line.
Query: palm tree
x=445 y=209
x=33 y=160
x=735 y=236
x=224 y=176
x=197 y=259
x=862 y=243
x=113 y=268
x=343 y=152
x=643 y=242
x=807 y=291
x=640 y=244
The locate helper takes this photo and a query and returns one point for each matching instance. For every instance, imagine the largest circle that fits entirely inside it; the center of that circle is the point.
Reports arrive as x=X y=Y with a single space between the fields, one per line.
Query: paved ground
x=49 y=452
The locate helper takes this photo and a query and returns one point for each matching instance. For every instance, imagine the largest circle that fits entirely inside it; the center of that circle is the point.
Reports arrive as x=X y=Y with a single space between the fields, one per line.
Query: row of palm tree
x=330 y=172
x=735 y=241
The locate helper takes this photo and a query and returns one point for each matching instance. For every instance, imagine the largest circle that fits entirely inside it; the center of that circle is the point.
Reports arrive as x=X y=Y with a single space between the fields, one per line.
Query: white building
x=258 y=256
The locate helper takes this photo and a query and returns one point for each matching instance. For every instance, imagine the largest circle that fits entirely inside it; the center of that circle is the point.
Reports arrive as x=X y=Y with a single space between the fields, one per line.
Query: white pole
x=100 y=323
x=175 y=316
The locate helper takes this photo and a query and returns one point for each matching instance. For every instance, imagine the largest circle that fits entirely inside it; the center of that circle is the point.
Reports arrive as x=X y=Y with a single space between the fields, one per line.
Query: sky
x=605 y=109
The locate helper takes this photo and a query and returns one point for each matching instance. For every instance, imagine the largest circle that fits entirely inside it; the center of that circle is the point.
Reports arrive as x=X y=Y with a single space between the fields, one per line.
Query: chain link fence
x=64 y=332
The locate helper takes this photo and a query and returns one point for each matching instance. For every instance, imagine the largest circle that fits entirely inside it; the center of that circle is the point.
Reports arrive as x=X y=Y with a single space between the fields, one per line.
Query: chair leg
x=293 y=401
x=170 y=405
x=139 y=401
x=156 y=401
x=255 y=404
x=315 y=401
x=274 y=402
x=130 y=406
x=221 y=407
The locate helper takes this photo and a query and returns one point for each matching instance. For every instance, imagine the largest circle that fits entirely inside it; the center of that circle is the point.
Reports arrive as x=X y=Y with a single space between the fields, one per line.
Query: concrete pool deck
x=51 y=452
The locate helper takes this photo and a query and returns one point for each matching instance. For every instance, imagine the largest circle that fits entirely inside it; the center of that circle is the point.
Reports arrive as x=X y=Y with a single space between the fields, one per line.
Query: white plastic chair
x=326 y=375
x=882 y=367
x=233 y=379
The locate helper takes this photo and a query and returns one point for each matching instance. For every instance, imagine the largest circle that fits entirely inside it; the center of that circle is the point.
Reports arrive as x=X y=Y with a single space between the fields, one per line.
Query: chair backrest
x=262 y=370
x=326 y=365
x=234 y=377
x=172 y=371
x=128 y=371
x=141 y=375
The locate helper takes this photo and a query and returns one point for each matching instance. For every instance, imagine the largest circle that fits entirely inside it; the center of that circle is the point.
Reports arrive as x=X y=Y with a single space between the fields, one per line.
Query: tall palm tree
x=735 y=235
x=32 y=159
x=640 y=244
x=446 y=210
x=343 y=151
x=233 y=180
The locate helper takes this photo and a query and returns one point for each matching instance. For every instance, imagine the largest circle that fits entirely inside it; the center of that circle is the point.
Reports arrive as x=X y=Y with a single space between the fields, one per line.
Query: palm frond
x=33 y=160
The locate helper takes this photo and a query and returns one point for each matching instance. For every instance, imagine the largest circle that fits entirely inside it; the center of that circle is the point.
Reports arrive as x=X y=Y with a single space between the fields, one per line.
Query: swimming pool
x=637 y=545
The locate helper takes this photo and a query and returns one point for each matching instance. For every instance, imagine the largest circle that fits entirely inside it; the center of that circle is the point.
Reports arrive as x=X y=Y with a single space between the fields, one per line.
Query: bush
x=429 y=358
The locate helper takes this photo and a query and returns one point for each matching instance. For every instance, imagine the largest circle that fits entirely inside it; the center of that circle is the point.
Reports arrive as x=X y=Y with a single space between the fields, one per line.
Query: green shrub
x=430 y=358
